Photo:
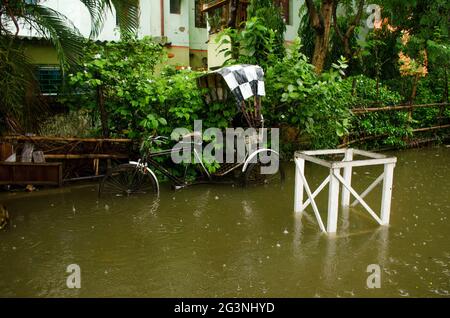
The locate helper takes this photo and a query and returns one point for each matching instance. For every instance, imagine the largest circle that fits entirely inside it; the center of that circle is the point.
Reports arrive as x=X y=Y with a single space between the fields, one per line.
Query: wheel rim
x=128 y=180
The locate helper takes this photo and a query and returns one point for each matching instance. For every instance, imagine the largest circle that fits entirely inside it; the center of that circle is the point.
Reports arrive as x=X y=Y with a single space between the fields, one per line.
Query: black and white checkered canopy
x=244 y=80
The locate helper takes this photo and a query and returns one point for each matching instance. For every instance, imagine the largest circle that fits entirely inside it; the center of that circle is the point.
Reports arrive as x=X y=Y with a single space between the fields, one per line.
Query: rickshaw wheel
x=127 y=179
x=253 y=176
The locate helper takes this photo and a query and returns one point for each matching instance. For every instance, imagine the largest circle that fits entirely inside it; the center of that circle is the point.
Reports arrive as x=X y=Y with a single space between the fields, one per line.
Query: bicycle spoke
x=128 y=179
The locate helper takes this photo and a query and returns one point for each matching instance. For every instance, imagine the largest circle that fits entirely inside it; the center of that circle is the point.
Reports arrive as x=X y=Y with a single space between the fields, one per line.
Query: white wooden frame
x=334 y=180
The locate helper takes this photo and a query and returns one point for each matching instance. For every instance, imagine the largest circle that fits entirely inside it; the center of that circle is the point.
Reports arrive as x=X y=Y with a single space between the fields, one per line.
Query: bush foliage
x=143 y=98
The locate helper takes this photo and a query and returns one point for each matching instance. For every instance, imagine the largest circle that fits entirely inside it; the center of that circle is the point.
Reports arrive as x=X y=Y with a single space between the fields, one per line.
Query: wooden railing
x=211 y=5
x=409 y=108
x=359 y=111
x=72 y=152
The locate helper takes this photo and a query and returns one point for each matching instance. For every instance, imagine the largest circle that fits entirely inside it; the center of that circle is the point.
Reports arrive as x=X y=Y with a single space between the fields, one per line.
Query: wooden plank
x=85 y=156
x=377 y=159
x=345 y=200
x=368 y=154
x=368 y=138
x=431 y=128
x=356 y=195
x=299 y=186
x=27 y=182
x=316 y=193
x=313 y=203
x=387 y=193
x=6 y=150
x=21 y=173
x=321 y=162
x=333 y=201
x=27 y=152
x=360 y=111
x=46 y=138
x=38 y=157
x=60 y=179
x=11 y=158
x=369 y=189
x=214 y=5
x=324 y=152
x=44 y=164
x=360 y=163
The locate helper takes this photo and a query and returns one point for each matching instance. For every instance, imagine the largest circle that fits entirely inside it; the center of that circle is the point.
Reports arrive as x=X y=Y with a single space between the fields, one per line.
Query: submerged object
x=30 y=188
x=4 y=217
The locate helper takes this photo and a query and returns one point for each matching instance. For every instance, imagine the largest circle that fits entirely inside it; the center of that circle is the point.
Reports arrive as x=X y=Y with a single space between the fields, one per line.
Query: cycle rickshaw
x=243 y=83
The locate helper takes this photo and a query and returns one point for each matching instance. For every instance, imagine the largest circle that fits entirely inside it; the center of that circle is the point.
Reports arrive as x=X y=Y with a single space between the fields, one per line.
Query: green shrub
x=253 y=44
x=392 y=126
x=316 y=104
x=366 y=94
x=76 y=123
x=119 y=73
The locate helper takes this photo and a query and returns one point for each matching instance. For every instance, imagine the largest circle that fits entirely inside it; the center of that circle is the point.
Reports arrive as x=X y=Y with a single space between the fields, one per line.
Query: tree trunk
x=103 y=113
x=446 y=86
x=354 y=86
x=233 y=13
x=378 y=88
x=413 y=96
x=445 y=98
x=320 y=51
x=414 y=89
x=321 y=22
x=348 y=34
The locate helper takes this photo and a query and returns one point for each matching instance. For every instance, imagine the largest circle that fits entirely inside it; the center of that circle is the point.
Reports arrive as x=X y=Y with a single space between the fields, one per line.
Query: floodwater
x=223 y=241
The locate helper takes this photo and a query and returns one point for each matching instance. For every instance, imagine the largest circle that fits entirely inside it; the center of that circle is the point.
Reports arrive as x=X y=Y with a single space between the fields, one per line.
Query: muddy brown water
x=224 y=241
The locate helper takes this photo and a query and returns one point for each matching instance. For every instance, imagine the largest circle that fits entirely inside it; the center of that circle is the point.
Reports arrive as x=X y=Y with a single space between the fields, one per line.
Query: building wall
x=41 y=53
x=176 y=26
x=148 y=22
x=79 y=15
x=180 y=55
x=198 y=37
x=215 y=59
x=292 y=30
x=191 y=45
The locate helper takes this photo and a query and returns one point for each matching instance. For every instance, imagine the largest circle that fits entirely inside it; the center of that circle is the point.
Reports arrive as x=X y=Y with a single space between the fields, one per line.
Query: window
x=175 y=6
x=49 y=78
x=200 y=19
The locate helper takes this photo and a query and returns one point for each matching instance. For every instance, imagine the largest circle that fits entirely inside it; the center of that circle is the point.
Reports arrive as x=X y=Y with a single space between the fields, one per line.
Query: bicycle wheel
x=128 y=179
x=253 y=176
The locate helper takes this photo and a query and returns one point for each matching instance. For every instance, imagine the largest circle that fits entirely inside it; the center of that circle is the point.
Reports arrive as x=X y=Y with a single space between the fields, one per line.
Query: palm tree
x=17 y=80
x=58 y=29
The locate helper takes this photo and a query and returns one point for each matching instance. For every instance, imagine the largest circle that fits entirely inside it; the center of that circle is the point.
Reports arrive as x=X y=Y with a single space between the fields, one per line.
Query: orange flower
x=379 y=25
x=409 y=66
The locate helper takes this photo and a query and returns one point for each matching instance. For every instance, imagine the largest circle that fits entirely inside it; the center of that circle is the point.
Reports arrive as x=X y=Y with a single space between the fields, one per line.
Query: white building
x=180 y=22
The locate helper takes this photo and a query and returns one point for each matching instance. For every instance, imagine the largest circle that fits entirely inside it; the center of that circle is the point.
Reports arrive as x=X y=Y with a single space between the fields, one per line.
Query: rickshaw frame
x=214 y=86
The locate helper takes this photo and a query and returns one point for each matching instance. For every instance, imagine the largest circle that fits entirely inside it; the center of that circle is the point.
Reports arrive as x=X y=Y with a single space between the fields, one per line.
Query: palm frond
x=58 y=29
x=19 y=109
x=127 y=12
x=97 y=10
